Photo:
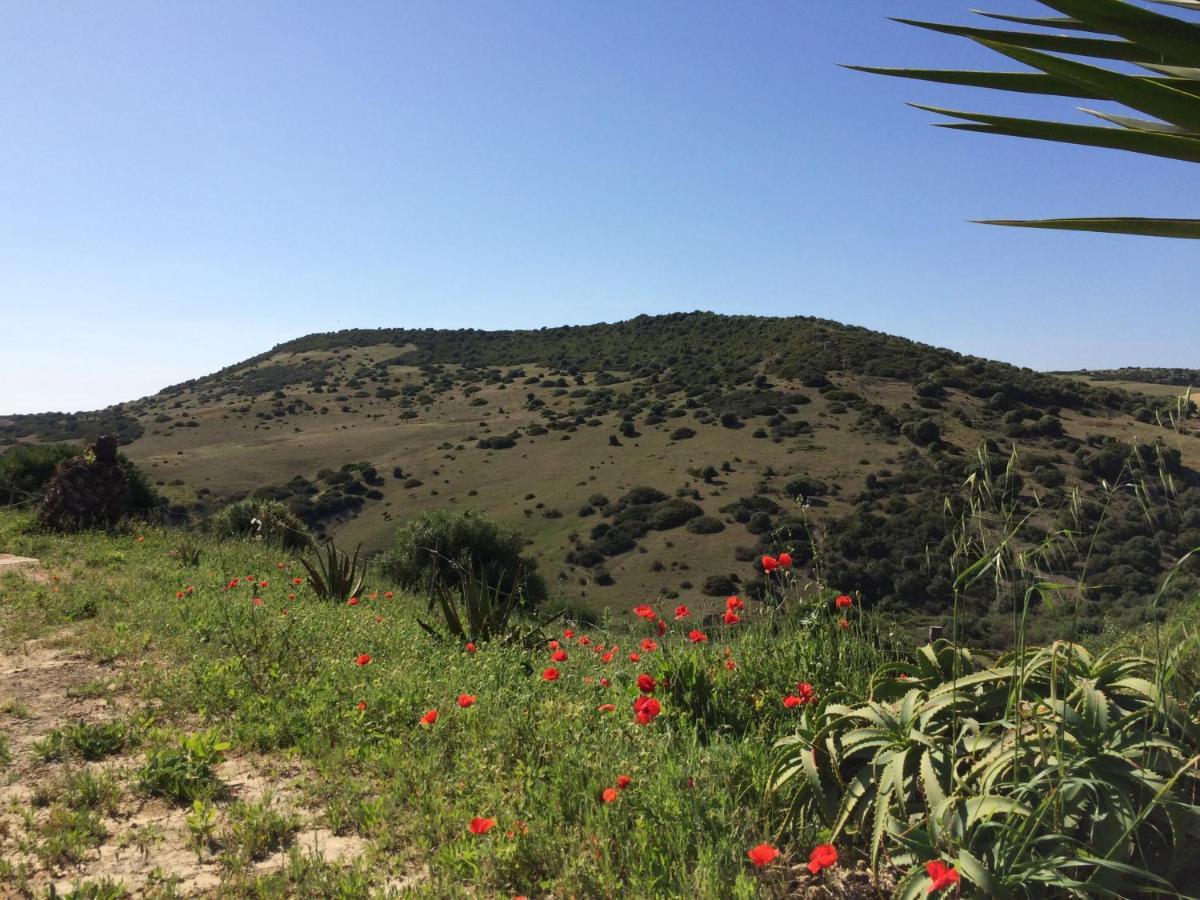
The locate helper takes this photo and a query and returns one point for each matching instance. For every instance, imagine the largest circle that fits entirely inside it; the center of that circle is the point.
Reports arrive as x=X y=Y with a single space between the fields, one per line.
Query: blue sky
x=185 y=184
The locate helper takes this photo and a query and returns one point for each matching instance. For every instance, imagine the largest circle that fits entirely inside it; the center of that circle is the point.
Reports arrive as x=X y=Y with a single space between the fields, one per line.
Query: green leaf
x=1171 y=228
x=1143 y=94
x=1066 y=23
x=977 y=873
x=1135 y=124
x=1174 y=39
x=1168 y=146
x=1100 y=49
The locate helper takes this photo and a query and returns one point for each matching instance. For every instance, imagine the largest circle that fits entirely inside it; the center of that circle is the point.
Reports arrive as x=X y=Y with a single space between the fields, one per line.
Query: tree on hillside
x=1134 y=38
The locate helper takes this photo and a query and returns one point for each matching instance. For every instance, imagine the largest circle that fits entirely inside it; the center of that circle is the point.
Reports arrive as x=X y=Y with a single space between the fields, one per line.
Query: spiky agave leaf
x=1109 y=31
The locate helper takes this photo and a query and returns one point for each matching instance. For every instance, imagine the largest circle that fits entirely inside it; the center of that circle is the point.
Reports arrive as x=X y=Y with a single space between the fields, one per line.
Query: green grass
x=534 y=755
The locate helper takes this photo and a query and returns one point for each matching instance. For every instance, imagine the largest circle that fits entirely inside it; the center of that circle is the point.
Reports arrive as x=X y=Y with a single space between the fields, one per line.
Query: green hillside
x=663 y=456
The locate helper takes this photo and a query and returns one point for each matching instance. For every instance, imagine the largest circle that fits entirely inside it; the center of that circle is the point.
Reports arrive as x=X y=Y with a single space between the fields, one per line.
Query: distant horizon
x=4 y=412
x=186 y=184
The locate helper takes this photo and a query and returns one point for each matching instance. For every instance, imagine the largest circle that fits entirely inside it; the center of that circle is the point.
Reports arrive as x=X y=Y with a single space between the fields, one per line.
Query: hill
x=664 y=455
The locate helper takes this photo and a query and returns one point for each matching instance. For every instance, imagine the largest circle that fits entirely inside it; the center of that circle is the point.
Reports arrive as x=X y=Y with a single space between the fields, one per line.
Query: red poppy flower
x=429 y=718
x=262 y=584
x=634 y=657
x=661 y=627
x=940 y=875
x=232 y=584
x=258 y=601
x=568 y=633
x=604 y=682
x=297 y=581
x=363 y=658
x=645 y=709
x=362 y=705
x=623 y=781
x=649 y=645
x=822 y=857
x=353 y=601
x=584 y=641
x=179 y=595
x=646 y=684
x=730 y=665
x=696 y=636
x=465 y=700
x=605 y=707
x=645 y=612
x=550 y=674
x=559 y=656
x=470 y=647
x=734 y=603
x=843 y=624
x=731 y=618
x=480 y=825
x=762 y=855
x=785 y=560
x=388 y=595
x=791 y=701
x=843 y=602
x=805 y=690
x=608 y=657
x=682 y=612
x=553 y=645
x=769 y=564
x=609 y=795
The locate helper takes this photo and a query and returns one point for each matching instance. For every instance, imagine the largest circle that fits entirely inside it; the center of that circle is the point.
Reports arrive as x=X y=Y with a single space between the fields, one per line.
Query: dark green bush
x=276 y=525
x=25 y=470
x=435 y=547
x=705 y=525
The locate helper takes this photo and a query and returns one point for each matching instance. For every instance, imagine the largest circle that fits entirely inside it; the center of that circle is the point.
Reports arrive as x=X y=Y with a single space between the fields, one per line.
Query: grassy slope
x=528 y=752
x=234 y=451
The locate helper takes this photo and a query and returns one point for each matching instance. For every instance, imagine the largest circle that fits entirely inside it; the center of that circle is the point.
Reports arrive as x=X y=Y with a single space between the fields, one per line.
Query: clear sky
x=184 y=184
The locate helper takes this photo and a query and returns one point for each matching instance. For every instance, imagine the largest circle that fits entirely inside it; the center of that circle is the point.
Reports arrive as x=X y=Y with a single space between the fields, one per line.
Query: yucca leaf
x=1135 y=124
x=1074 y=46
x=1173 y=39
x=1143 y=94
x=1169 y=146
x=1066 y=23
x=1169 y=228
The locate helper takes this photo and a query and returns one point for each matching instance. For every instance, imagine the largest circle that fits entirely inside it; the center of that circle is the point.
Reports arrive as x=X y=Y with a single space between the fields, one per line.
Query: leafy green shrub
x=184 y=773
x=1050 y=773
x=25 y=471
x=436 y=548
x=705 y=525
x=261 y=519
x=673 y=513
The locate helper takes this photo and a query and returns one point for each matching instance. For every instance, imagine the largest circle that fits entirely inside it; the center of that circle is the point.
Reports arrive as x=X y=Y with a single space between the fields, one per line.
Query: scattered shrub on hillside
x=705 y=525
x=260 y=519
x=436 y=547
x=25 y=471
x=718 y=586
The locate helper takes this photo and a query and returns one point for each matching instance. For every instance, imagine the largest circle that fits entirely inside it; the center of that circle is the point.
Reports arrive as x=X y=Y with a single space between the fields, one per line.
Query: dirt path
x=142 y=842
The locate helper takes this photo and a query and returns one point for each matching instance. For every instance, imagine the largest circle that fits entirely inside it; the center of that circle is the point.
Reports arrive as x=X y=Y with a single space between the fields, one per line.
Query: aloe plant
x=1114 y=31
x=335 y=574
x=1057 y=773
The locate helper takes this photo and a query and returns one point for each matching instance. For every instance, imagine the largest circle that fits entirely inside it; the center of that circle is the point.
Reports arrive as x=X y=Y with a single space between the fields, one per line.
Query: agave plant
x=1057 y=774
x=1113 y=31
x=474 y=608
x=335 y=574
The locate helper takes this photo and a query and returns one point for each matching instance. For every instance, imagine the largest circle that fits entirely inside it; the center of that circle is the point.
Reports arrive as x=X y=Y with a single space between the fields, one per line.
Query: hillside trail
x=52 y=683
